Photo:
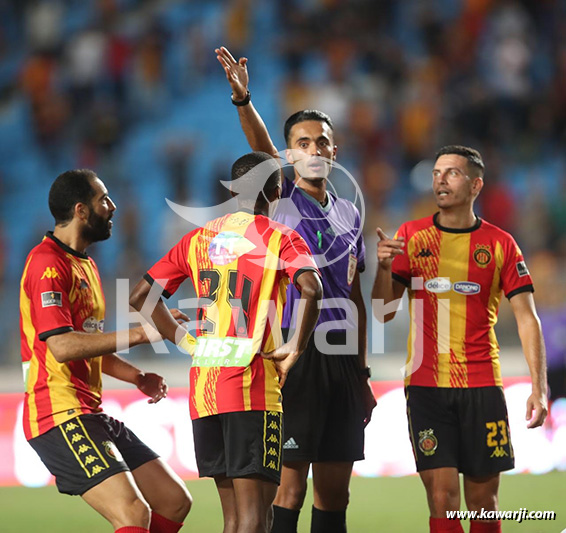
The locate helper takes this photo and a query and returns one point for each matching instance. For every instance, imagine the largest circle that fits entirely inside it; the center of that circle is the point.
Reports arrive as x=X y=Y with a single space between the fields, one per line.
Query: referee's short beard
x=98 y=228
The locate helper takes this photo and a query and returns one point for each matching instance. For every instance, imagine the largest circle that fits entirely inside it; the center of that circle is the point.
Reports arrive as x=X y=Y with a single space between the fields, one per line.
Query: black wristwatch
x=243 y=102
x=366 y=372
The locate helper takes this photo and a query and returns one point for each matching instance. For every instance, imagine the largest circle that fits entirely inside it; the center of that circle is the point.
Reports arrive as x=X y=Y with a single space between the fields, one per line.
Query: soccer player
x=455 y=267
x=240 y=265
x=328 y=399
x=64 y=352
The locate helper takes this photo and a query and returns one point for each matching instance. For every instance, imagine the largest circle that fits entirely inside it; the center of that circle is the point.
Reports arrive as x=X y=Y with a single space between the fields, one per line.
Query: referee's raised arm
x=252 y=124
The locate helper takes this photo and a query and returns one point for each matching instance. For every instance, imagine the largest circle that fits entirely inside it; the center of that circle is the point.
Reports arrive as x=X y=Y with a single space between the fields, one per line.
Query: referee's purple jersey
x=334 y=236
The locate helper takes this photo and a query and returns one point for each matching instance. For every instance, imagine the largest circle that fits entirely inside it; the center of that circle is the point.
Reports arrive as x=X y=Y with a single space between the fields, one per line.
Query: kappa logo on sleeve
x=50 y=273
x=51 y=299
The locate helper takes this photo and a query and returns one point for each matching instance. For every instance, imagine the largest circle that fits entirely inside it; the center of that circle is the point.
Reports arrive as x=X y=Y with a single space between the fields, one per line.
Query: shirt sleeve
x=401 y=266
x=47 y=284
x=515 y=276
x=172 y=269
x=361 y=248
x=296 y=256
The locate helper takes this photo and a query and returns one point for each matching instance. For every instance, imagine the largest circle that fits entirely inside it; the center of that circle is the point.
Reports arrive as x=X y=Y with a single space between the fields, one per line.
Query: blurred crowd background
x=133 y=90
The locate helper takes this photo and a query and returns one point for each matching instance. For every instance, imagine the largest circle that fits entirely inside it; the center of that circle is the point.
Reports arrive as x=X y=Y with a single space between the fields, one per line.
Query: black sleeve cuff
x=362 y=269
x=151 y=281
x=400 y=279
x=57 y=331
x=300 y=271
x=524 y=288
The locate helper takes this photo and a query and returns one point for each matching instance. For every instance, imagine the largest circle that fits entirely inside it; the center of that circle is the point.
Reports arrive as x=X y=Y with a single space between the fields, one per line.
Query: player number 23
x=495 y=427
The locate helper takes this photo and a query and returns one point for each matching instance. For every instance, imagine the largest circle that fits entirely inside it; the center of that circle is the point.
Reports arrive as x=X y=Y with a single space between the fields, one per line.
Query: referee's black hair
x=254 y=175
x=473 y=156
x=68 y=190
x=302 y=116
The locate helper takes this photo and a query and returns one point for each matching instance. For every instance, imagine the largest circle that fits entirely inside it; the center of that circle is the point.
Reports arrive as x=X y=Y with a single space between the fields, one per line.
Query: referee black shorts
x=323 y=407
x=467 y=429
x=86 y=450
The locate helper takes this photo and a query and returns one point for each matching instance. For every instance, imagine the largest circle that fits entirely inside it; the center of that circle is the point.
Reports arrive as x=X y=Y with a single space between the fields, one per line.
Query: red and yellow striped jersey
x=60 y=291
x=240 y=265
x=455 y=279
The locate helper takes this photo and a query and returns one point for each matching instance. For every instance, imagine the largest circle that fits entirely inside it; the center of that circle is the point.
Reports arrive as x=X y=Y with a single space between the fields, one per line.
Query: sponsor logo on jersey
x=466 y=287
x=428 y=442
x=522 y=269
x=91 y=325
x=227 y=246
x=223 y=351
x=51 y=299
x=425 y=252
x=438 y=285
x=50 y=273
x=482 y=255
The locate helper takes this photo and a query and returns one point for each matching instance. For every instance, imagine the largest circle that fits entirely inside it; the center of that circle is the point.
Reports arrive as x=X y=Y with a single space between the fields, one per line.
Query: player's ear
x=81 y=211
x=334 y=152
x=477 y=186
x=289 y=156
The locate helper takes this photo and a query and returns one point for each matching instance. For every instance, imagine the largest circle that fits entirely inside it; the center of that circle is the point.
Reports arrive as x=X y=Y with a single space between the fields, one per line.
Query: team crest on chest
x=482 y=255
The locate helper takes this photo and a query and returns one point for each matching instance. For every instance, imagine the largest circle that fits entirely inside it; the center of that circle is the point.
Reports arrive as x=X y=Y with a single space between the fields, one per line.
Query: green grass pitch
x=392 y=505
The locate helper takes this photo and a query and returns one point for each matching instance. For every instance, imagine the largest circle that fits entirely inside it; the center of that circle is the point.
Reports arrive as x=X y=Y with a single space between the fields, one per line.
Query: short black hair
x=68 y=190
x=473 y=156
x=302 y=116
x=253 y=174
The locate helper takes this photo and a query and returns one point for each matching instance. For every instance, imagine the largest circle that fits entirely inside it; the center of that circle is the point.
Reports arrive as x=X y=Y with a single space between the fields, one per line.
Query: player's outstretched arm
x=75 y=345
x=385 y=288
x=287 y=355
x=152 y=385
x=252 y=124
x=532 y=341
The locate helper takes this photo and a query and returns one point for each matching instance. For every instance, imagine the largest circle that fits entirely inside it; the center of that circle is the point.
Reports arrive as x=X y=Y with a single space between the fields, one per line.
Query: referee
x=328 y=400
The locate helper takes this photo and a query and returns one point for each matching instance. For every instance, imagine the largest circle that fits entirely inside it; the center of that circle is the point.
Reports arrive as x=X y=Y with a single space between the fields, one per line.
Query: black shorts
x=323 y=407
x=467 y=429
x=240 y=444
x=86 y=450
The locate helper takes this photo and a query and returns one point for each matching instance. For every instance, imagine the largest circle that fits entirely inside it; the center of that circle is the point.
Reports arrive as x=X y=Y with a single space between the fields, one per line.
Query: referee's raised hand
x=236 y=72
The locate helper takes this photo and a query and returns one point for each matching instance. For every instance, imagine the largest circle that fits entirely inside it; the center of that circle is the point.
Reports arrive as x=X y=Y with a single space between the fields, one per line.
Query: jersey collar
x=62 y=245
x=476 y=226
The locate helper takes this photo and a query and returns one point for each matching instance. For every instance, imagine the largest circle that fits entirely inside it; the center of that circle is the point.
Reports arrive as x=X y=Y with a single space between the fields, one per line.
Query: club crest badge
x=112 y=451
x=427 y=442
x=482 y=255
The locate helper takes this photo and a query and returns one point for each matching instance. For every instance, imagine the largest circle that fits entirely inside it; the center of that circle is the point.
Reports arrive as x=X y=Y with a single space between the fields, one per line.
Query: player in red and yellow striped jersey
x=240 y=265
x=65 y=352
x=455 y=267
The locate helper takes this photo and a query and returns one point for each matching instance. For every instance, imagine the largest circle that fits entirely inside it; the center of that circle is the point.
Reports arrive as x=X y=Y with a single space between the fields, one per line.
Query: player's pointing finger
x=381 y=234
